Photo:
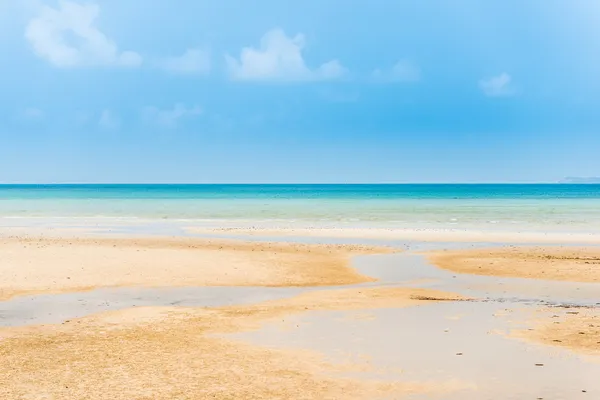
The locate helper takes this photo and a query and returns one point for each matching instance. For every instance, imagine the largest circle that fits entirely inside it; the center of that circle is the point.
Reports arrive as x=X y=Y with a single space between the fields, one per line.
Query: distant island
x=580 y=180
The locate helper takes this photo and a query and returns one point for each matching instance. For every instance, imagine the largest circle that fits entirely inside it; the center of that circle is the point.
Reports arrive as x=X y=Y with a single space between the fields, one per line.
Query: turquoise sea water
x=510 y=206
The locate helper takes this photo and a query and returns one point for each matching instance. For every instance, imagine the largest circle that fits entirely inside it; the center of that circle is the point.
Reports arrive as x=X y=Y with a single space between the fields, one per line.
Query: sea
x=563 y=207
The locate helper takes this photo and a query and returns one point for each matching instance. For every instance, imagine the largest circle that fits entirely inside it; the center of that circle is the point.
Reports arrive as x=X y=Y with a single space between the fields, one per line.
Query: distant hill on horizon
x=576 y=179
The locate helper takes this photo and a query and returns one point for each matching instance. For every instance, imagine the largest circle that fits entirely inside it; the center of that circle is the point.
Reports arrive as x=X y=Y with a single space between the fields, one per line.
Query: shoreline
x=420 y=235
x=77 y=226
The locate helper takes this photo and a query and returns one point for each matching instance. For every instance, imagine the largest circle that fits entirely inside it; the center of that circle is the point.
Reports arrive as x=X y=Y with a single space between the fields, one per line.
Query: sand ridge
x=177 y=353
x=576 y=329
x=574 y=264
x=33 y=265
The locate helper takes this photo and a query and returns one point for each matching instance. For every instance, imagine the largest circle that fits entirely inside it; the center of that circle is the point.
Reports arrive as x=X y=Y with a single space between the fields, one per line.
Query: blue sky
x=307 y=91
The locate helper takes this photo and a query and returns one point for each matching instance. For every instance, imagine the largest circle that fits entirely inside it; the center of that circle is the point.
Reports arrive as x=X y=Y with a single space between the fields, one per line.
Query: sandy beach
x=575 y=264
x=101 y=317
x=574 y=329
x=310 y=200
x=31 y=265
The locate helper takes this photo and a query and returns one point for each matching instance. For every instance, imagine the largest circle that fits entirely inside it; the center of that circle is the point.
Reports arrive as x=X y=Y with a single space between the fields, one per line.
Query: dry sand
x=53 y=265
x=575 y=264
x=175 y=353
x=577 y=329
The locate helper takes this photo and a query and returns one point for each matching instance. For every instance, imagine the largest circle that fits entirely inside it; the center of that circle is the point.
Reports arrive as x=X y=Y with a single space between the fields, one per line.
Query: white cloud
x=279 y=58
x=109 y=120
x=170 y=117
x=67 y=36
x=193 y=61
x=404 y=71
x=498 y=86
x=32 y=113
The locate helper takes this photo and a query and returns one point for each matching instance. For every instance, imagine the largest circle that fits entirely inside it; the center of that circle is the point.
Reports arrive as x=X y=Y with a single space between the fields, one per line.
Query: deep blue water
x=302 y=191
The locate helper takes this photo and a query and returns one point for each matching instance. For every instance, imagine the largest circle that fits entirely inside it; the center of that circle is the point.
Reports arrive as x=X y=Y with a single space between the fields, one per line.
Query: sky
x=333 y=91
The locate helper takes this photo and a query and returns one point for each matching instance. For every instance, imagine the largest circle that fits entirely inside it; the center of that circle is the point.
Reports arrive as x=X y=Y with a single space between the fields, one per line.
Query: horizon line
x=287 y=183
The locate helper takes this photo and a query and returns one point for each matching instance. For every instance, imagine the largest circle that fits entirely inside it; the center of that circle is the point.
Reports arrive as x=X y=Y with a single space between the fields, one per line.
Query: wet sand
x=467 y=343
x=257 y=320
x=575 y=264
x=412 y=234
x=33 y=265
x=173 y=353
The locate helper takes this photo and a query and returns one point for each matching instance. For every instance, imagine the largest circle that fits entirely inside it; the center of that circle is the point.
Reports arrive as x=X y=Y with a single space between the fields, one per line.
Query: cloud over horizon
x=279 y=58
x=52 y=32
x=498 y=86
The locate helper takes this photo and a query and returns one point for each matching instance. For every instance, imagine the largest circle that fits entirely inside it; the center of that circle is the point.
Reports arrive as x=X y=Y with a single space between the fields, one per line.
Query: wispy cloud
x=32 y=113
x=279 y=58
x=498 y=86
x=404 y=71
x=109 y=120
x=192 y=62
x=170 y=117
x=52 y=31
